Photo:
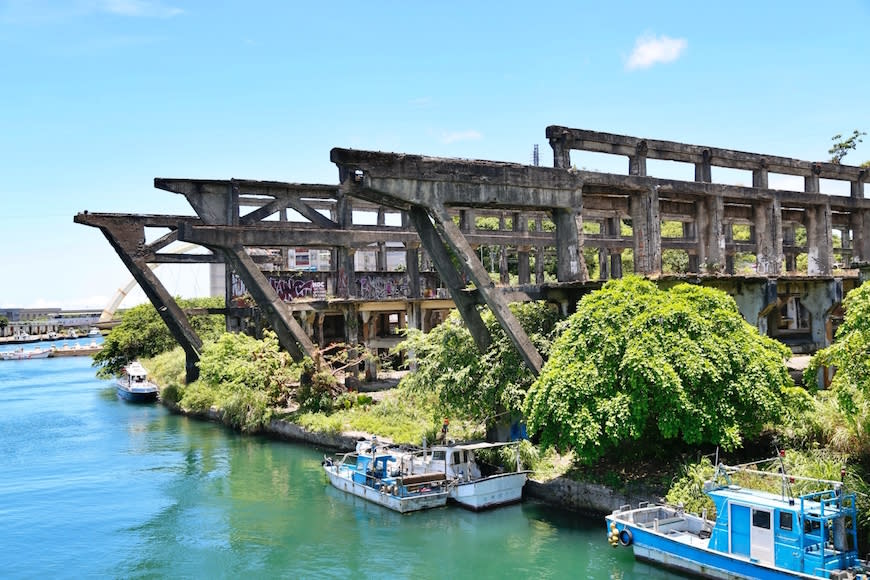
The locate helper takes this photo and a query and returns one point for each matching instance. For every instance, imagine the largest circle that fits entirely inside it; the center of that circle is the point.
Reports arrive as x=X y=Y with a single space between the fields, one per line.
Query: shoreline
x=585 y=498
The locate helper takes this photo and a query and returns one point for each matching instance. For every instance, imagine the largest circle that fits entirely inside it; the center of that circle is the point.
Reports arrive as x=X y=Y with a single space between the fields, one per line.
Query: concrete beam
x=674 y=151
x=285 y=325
x=465 y=303
x=127 y=236
x=450 y=233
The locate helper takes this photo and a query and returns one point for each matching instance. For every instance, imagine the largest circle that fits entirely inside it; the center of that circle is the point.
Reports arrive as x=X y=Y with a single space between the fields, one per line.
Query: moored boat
x=21 y=354
x=77 y=349
x=468 y=486
x=373 y=472
x=134 y=386
x=756 y=534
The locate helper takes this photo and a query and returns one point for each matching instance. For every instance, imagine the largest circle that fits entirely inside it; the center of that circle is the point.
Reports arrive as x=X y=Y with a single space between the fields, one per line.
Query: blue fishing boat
x=755 y=534
x=374 y=472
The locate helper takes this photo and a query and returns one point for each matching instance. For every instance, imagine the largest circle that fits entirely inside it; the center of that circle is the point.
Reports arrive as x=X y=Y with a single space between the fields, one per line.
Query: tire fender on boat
x=625 y=537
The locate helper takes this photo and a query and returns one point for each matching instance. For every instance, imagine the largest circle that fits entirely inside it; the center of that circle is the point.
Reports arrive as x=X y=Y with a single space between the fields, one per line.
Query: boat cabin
x=454 y=461
x=812 y=534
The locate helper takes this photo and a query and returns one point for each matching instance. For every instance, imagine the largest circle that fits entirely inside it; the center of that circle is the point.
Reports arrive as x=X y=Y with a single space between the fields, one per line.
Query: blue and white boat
x=756 y=534
x=374 y=472
x=134 y=386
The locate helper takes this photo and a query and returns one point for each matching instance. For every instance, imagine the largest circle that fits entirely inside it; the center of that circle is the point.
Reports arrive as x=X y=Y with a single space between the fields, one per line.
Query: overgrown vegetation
x=636 y=366
x=143 y=334
x=489 y=387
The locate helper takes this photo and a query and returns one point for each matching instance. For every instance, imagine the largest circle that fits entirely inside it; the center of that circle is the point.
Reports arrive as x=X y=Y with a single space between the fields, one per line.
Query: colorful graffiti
x=384 y=286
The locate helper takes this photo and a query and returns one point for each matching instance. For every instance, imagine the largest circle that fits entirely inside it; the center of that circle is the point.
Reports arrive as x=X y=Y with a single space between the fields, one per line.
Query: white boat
x=21 y=354
x=373 y=473
x=94 y=332
x=71 y=333
x=468 y=486
x=134 y=385
x=21 y=336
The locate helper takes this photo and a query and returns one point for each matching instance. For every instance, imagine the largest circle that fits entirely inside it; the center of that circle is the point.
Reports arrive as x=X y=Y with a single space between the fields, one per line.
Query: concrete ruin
x=422 y=250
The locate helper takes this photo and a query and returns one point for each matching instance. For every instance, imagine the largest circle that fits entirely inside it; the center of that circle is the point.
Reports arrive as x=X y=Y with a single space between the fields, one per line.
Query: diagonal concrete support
x=450 y=233
x=465 y=303
x=127 y=237
x=289 y=331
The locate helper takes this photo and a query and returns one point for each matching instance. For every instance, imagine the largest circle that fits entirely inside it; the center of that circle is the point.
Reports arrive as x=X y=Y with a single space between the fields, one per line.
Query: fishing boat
x=468 y=486
x=21 y=354
x=134 y=386
x=755 y=534
x=373 y=472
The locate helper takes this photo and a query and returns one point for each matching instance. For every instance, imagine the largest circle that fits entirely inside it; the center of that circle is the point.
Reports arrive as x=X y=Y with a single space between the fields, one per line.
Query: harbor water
x=92 y=486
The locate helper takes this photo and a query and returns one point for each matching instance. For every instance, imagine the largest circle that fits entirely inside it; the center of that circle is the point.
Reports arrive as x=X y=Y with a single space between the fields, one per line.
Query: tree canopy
x=849 y=353
x=639 y=364
x=142 y=333
x=479 y=386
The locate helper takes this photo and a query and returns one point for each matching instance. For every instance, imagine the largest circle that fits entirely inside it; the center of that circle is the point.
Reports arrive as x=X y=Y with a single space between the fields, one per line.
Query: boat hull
x=137 y=396
x=489 y=492
x=400 y=504
x=665 y=551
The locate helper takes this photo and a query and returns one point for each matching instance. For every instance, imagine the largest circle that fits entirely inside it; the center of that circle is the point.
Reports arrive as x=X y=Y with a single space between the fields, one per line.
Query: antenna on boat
x=786 y=484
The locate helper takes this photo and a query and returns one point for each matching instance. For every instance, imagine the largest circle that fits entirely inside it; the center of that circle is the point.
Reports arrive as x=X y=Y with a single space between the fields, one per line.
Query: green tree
x=841 y=146
x=849 y=354
x=488 y=387
x=4 y=323
x=636 y=366
x=142 y=333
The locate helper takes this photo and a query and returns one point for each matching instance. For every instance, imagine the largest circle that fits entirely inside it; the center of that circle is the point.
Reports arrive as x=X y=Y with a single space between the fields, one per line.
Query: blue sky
x=98 y=97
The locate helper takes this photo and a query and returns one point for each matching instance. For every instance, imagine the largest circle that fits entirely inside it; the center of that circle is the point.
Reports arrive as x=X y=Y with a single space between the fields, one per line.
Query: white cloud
x=650 y=50
x=420 y=102
x=470 y=135
x=139 y=8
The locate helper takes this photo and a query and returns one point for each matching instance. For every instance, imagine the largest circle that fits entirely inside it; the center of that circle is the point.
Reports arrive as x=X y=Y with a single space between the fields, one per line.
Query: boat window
x=457 y=457
x=438 y=455
x=761 y=519
x=785 y=521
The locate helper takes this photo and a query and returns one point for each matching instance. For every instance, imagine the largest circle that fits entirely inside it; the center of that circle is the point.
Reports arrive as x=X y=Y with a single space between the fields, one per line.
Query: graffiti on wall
x=370 y=286
x=288 y=289
x=376 y=287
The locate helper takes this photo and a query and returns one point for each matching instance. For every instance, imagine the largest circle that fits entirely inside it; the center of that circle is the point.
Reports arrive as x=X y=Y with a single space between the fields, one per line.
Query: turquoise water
x=92 y=486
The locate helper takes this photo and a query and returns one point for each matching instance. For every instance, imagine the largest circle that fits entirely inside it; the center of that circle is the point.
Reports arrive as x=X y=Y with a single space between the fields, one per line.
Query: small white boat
x=94 y=332
x=468 y=486
x=134 y=386
x=21 y=354
x=373 y=473
x=21 y=336
x=71 y=333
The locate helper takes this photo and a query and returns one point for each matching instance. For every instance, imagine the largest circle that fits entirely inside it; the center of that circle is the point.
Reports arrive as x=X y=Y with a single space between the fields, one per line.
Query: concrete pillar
x=614 y=230
x=711 y=239
x=646 y=231
x=570 y=266
x=768 y=237
x=637 y=162
x=503 y=273
x=703 y=170
x=728 y=231
x=690 y=234
x=759 y=177
x=603 y=263
x=412 y=267
x=539 y=265
x=561 y=152
x=520 y=225
x=382 y=247
x=820 y=242
x=788 y=239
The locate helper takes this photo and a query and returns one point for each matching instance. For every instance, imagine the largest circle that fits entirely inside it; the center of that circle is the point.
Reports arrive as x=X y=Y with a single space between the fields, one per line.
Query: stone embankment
x=588 y=498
